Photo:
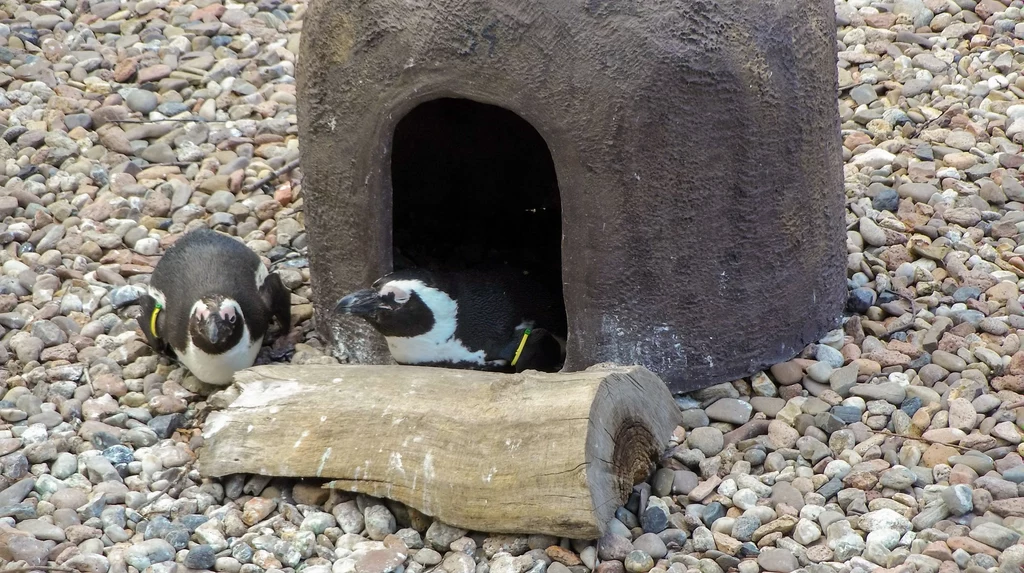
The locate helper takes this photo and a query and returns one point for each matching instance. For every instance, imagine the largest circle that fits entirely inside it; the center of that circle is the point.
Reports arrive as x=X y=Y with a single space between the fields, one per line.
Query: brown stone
x=153 y=73
x=979 y=279
x=167 y=405
x=770 y=539
x=789 y=392
x=962 y=474
x=971 y=546
x=921 y=171
x=283 y=194
x=379 y=561
x=887 y=358
x=1013 y=383
x=1003 y=230
x=1013 y=507
x=612 y=566
x=787 y=373
x=90 y=428
x=133 y=269
x=125 y=69
x=938 y=550
x=782 y=525
x=862 y=481
x=895 y=255
x=235 y=180
x=107 y=114
x=850 y=352
x=208 y=13
x=978 y=442
x=59 y=352
x=158 y=172
x=937 y=454
x=563 y=556
x=961 y=160
x=310 y=493
x=856 y=139
x=880 y=19
x=726 y=544
x=112 y=137
x=704 y=489
x=951 y=343
x=944 y=435
x=867 y=367
x=1016 y=366
x=753 y=428
x=987 y=8
x=818 y=553
x=903 y=347
x=15 y=546
x=1011 y=160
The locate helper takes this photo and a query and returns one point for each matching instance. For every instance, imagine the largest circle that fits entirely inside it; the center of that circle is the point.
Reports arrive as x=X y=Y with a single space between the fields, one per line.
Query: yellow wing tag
x=152 y=319
x=522 y=344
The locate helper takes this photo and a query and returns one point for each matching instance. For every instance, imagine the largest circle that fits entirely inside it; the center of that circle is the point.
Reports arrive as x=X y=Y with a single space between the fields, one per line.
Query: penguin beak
x=214 y=332
x=359 y=303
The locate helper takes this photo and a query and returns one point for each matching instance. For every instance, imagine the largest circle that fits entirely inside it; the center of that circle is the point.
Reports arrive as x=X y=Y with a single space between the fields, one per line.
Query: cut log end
x=631 y=420
x=500 y=453
x=635 y=454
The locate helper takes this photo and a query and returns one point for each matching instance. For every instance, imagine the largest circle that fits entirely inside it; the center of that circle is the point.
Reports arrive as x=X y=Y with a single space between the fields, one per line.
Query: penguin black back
x=204 y=262
x=495 y=302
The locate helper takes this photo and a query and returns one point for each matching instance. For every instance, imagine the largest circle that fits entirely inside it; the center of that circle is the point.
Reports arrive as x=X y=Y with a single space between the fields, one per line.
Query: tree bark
x=510 y=453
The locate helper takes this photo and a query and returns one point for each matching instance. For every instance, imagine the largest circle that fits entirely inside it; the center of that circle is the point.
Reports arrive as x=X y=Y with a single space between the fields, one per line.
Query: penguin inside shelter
x=210 y=303
x=476 y=244
x=495 y=319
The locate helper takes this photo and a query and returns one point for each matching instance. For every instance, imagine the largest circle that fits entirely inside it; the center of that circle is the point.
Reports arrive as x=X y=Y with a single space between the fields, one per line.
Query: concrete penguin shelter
x=673 y=167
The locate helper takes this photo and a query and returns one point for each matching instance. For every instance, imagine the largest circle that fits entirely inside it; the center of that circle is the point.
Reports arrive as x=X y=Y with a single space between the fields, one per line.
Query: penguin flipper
x=147 y=323
x=278 y=299
x=541 y=352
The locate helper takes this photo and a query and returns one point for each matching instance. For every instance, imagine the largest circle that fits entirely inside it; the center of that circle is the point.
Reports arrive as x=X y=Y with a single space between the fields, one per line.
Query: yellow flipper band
x=152 y=319
x=522 y=343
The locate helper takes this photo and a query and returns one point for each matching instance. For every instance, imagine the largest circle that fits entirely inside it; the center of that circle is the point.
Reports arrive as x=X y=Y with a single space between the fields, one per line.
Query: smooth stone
x=777 y=561
x=730 y=410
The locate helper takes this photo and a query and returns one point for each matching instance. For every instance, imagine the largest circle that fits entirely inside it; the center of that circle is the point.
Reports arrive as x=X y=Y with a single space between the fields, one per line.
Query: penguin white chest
x=438 y=344
x=425 y=349
x=218 y=369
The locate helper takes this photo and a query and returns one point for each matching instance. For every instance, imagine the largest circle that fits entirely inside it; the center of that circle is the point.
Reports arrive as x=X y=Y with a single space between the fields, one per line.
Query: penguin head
x=215 y=324
x=400 y=307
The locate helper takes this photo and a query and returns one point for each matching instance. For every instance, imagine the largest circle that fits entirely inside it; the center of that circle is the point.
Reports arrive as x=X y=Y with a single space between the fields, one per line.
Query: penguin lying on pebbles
x=484 y=320
x=211 y=300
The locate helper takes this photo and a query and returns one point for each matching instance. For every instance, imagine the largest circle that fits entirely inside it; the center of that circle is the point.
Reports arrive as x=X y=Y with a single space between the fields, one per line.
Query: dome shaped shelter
x=673 y=168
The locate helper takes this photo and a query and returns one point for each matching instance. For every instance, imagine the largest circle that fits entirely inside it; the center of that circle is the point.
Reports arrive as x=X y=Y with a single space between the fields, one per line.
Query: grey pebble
x=142 y=101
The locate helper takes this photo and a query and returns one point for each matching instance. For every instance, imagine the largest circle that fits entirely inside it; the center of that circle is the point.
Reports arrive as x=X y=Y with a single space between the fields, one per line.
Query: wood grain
x=510 y=453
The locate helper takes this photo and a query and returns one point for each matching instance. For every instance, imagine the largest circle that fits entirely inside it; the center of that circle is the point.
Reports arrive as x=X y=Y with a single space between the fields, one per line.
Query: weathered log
x=510 y=453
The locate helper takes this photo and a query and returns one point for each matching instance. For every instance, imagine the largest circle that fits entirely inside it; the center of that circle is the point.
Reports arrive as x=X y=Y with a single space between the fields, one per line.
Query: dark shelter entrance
x=474 y=186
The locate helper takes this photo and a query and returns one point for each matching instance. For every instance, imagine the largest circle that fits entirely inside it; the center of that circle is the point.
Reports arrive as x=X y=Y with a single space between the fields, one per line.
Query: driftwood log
x=508 y=453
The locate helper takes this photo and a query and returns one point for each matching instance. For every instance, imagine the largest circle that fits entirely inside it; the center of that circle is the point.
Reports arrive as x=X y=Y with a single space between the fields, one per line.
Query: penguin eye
x=394 y=296
x=388 y=301
x=231 y=318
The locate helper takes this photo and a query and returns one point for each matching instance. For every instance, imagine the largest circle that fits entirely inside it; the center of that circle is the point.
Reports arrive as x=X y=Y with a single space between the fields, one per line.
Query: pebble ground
x=892 y=444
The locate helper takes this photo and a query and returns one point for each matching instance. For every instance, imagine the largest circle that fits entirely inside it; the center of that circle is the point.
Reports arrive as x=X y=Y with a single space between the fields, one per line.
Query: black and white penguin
x=497 y=320
x=211 y=300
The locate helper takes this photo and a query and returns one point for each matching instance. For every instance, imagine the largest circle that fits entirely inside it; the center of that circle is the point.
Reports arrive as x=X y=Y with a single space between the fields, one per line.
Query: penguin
x=210 y=302
x=496 y=320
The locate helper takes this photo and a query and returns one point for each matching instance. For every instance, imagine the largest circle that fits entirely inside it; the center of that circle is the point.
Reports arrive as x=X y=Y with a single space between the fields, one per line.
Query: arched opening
x=474 y=187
